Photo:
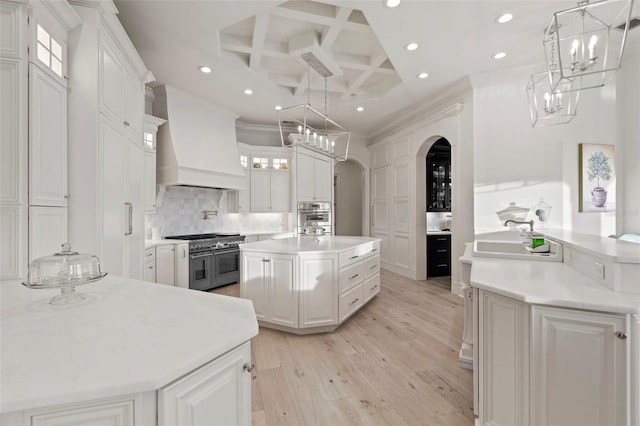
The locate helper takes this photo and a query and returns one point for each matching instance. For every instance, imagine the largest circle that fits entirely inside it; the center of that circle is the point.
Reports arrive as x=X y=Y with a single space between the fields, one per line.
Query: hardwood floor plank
x=395 y=362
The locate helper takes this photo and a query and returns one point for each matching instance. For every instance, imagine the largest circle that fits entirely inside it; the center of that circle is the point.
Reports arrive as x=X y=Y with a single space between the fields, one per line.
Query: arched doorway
x=348 y=182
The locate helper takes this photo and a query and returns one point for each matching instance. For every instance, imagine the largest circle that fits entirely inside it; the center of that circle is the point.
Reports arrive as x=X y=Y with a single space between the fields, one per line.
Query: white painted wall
x=348 y=198
x=514 y=162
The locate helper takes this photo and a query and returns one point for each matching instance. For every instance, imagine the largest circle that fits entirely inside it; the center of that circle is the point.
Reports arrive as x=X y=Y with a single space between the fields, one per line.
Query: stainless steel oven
x=214 y=259
x=314 y=215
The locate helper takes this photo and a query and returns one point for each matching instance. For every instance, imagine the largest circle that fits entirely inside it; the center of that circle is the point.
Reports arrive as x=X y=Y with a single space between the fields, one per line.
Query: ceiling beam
x=260 y=26
x=375 y=63
x=331 y=33
x=317 y=19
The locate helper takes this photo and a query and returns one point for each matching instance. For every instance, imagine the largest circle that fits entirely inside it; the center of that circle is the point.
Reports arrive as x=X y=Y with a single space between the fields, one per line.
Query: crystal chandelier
x=304 y=126
x=585 y=44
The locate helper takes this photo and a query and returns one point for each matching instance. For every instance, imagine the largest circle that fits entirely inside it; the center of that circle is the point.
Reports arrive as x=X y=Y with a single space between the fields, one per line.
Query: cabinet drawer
x=357 y=253
x=149 y=254
x=350 y=302
x=371 y=266
x=438 y=268
x=350 y=276
x=371 y=287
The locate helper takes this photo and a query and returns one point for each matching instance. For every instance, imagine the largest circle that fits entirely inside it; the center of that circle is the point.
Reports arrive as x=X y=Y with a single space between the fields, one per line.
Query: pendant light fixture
x=585 y=44
x=304 y=126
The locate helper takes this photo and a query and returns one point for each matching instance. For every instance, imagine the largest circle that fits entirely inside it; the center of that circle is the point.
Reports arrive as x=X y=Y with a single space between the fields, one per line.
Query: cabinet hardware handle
x=354 y=257
x=66 y=77
x=248 y=367
x=184 y=252
x=443 y=264
x=129 y=208
x=126 y=123
x=266 y=260
x=353 y=276
x=355 y=301
x=374 y=287
x=150 y=267
x=373 y=267
x=442 y=251
x=621 y=335
x=67 y=196
x=442 y=239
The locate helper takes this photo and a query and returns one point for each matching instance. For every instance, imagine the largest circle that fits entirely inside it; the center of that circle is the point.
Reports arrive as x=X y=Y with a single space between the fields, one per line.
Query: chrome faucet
x=530 y=223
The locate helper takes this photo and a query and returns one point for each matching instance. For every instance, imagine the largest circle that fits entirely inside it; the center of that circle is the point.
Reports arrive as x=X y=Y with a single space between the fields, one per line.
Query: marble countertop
x=308 y=244
x=547 y=283
x=605 y=247
x=153 y=243
x=128 y=336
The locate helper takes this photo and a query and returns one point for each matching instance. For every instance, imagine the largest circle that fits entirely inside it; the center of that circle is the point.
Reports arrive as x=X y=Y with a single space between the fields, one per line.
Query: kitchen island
x=131 y=353
x=309 y=284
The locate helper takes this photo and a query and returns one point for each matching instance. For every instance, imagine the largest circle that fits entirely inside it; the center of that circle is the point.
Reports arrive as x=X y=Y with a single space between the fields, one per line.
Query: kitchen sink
x=516 y=250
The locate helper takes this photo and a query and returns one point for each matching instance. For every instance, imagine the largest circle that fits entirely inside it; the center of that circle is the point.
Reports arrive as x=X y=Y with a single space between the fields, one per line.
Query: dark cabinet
x=438 y=255
x=439 y=177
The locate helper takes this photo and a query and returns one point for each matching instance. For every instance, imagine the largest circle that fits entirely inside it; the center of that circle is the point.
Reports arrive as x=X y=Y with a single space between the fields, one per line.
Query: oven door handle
x=233 y=250
x=199 y=255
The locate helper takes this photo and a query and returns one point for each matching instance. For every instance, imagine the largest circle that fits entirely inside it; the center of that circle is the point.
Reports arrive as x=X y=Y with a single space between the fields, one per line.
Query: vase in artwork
x=598 y=196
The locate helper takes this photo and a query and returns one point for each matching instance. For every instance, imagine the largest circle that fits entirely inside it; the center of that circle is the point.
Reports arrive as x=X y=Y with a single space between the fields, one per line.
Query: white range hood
x=197 y=146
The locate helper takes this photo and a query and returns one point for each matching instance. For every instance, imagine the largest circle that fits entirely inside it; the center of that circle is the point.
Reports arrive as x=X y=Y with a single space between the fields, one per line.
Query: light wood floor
x=395 y=362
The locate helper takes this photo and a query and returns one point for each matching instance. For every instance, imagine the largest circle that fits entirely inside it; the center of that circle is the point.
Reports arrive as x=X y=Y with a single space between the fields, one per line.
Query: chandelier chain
x=308 y=84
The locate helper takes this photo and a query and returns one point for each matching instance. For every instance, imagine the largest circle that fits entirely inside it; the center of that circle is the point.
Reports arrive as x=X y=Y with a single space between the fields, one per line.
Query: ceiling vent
x=633 y=22
x=306 y=48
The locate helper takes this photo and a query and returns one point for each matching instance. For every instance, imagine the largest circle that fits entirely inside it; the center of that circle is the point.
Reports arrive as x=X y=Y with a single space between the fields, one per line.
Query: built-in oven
x=200 y=270
x=313 y=216
x=226 y=268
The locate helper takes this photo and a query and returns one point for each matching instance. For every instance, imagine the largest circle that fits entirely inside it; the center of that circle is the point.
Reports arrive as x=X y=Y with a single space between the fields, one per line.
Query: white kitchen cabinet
x=578 y=367
x=269 y=281
x=219 y=393
x=47 y=231
x=149 y=137
x=13 y=141
x=149 y=273
x=503 y=360
x=318 y=290
x=106 y=174
x=165 y=264
x=182 y=265
x=239 y=201
x=270 y=191
x=47 y=140
x=314 y=177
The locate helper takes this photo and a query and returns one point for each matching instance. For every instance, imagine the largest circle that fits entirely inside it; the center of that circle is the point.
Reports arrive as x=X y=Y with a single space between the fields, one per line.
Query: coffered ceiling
x=259 y=45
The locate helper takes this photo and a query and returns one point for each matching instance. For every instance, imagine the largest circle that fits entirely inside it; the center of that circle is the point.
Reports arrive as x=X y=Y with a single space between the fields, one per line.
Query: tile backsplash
x=179 y=212
x=436 y=220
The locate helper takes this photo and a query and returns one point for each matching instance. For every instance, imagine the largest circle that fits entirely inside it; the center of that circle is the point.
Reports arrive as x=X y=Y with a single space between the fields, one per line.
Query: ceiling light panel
x=411 y=46
x=391 y=3
x=504 y=18
x=499 y=55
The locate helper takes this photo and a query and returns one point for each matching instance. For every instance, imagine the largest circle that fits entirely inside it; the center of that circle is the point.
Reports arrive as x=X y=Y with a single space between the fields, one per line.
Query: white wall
x=348 y=198
x=514 y=162
x=629 y=130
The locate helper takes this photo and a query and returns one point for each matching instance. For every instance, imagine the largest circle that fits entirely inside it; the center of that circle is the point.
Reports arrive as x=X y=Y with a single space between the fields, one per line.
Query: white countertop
x=308 y=244
x=437 y=232
x=129 y=336
x=153 y=243
x=607 y=248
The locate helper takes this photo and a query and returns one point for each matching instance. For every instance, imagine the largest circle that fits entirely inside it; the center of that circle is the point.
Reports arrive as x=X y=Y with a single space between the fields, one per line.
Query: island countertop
x=128 y=336
x=308 y=244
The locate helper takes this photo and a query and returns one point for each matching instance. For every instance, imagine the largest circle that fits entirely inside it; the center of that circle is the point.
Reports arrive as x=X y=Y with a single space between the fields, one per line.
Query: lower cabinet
x=542 y=365
x=438 y=255
x=182 y=265
x=219 y=393
x=318 y=292
x=269 y=281
x=149 y=273
x=165 y=264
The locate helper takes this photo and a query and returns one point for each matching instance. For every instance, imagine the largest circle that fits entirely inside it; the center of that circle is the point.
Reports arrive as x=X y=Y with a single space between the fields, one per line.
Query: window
x=260 y=162
x=280 y=163
x=148 y=141
x=244 y=161
x=49 y=51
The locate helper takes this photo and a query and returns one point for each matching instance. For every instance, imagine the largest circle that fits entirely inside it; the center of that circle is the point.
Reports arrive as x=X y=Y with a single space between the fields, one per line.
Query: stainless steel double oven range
x=214 y=259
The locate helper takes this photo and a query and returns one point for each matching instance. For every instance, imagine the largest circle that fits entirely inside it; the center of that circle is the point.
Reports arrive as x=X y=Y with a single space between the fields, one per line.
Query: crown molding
x=64 y=13
x=257 y=129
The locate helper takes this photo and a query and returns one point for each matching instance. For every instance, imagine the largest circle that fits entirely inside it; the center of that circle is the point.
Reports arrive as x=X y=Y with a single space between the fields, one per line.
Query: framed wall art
x=597 y=179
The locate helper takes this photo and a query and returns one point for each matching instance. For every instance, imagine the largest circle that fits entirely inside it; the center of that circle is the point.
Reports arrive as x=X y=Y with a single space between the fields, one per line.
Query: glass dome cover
x=64 y=270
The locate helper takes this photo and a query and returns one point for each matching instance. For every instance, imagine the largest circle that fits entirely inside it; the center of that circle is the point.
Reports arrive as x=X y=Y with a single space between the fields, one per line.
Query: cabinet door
x=47 y=140
x=323 y=180
x=253 y=283
x=134 y=241
x=134 y=107
x=319 y=291
x=244 y=197
x=121 y=413
x=182 y=265
x=305 y=177
x=149 y=181
x=260 y=192
x=149 y=273
x=283 y=297
x=165 y=266
x=579 y=368
x=218 y=393
x=280 y=192
x=47 y=230
x=111 y=82
x=503 y=360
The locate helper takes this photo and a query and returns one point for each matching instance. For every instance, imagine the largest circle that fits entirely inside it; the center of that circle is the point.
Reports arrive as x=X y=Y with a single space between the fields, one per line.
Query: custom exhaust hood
x=197 y=146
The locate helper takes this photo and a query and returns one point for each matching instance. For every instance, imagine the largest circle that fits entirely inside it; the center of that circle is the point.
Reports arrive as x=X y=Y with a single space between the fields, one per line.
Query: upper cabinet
x=149 y=137
x=314 y=177
x=439 y=177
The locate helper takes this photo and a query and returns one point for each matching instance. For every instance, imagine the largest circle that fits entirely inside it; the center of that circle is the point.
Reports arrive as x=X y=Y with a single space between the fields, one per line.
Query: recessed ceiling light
x=278 y=107
x=248 y=92
x=205 y=69
x=411 y=46
x=360 y=109
x=391 y=3
x=499 y=55
x=423 y=75
x=504 y=18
